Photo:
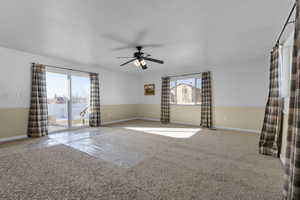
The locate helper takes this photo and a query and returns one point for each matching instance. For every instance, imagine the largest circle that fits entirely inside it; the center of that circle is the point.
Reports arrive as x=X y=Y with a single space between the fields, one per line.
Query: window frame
x=69 y=75
x=193 y=91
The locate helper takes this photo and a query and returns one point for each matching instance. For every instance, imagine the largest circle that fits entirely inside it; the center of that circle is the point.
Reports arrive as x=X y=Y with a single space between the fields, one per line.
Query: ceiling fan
x=139 y=58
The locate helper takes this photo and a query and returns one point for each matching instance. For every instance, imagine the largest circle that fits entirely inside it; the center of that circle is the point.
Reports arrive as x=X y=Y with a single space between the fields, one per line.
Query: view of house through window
x=68 y=100
x=185 y=91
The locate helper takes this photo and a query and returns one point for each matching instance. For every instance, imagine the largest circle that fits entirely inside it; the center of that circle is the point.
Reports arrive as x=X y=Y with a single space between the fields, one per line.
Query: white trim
x=193 y=124
x=118 y=121
x=238 y=129
x=9 y=139
x=185 y=123
x=174 y=104
x=183 y=77
x=174 y=122
x=148 y=119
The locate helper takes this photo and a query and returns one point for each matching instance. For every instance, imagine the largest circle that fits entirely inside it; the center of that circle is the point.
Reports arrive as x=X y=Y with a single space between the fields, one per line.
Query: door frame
x=69 y=75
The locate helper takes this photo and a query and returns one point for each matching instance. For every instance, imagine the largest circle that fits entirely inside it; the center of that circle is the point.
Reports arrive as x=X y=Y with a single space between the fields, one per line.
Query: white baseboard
x=185 y=123
x=174 y=122
x=238 y=129
x=218 y=127
x=158 y=120
x=9 y=139
x=118 y=121
x=148 y=119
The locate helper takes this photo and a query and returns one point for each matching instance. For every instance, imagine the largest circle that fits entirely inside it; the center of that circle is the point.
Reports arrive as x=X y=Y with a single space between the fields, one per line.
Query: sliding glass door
x=68 y=97
x=80 y=100
x=57 y=96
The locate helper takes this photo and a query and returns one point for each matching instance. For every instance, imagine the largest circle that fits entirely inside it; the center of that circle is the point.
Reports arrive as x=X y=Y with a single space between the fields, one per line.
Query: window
x=185 y=91
x=285 y=64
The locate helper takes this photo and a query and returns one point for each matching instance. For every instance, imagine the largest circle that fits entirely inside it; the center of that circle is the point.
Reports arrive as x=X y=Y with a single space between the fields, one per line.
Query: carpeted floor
x=139 y=160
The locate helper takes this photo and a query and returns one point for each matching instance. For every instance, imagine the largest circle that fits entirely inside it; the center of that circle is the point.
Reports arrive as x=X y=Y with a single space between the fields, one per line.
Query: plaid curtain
x=206 y=97
x=292 y=158
x=269 y=143
x=94 y=119
x=165 y=100
x=38 y=113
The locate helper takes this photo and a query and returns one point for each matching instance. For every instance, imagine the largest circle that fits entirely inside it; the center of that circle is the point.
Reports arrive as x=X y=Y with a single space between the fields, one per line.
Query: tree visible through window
x=185 y=91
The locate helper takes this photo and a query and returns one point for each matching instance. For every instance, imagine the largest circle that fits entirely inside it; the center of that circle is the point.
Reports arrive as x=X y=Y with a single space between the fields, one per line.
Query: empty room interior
x=150 y=99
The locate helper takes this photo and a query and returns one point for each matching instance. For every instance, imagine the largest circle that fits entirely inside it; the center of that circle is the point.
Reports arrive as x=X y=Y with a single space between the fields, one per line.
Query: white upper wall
x=237 y=85
x=15 y=72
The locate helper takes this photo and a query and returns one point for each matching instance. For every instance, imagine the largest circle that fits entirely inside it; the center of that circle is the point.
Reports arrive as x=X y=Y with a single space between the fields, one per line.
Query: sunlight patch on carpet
x=169 y=132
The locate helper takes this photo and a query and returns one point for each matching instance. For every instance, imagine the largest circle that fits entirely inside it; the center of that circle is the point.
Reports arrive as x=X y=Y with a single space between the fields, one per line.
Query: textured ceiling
x=190 y=32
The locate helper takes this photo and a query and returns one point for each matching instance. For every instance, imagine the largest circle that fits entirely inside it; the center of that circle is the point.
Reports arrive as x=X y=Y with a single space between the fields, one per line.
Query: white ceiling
x=192 y=32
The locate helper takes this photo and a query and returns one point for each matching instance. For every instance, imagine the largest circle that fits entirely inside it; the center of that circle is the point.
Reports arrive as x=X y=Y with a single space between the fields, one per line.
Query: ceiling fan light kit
x=140 y=63
x=139 y=59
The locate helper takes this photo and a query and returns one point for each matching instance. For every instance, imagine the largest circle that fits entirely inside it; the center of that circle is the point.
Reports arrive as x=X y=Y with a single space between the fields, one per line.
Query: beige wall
x=247 y=118
x=13 y=121
x=179 y=113
x=110 y=113
x=151 y=111
x=185 y=114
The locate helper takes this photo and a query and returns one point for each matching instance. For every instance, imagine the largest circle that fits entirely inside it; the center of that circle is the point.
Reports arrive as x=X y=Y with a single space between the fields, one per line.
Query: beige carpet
x=137 y=162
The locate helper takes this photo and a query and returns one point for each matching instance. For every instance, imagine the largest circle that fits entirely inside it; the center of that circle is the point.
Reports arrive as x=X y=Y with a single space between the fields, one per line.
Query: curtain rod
x=184 y=75
x=66 y=68
x=287 y=22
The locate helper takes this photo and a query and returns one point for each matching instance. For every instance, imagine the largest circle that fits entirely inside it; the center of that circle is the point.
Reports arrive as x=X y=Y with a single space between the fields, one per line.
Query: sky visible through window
x=187 y=81
x=198 y=83
x=80 y=86
x=57 y=84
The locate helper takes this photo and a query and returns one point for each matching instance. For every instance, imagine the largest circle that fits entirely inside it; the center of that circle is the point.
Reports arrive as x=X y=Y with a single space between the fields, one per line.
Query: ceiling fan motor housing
x=139 y=59
x=138 y=55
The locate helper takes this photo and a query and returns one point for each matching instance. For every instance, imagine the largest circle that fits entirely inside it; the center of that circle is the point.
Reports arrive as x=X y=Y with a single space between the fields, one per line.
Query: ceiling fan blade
x=147 y=54
x=140 y=36
x=133 y=46
x=153 y=60
x=124 y=47
x=125 y=57
x=152 y=45
x=128 y=62
x=117 y=39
